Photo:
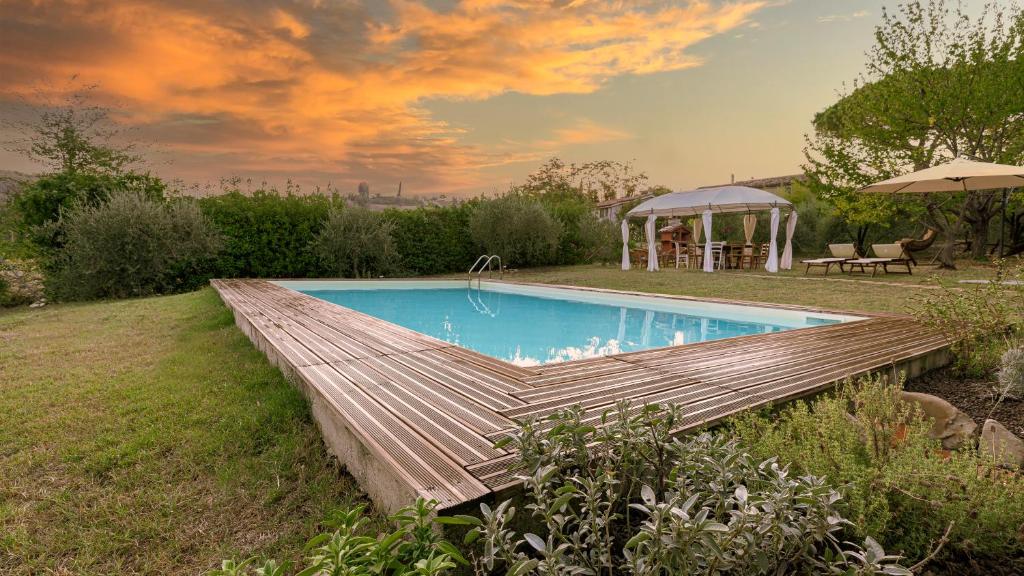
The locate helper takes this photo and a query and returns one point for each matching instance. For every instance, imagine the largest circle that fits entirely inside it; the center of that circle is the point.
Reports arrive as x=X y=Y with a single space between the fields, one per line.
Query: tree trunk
x=860 y=238
x=979 y=238
x=948 y=231
x=979 y=209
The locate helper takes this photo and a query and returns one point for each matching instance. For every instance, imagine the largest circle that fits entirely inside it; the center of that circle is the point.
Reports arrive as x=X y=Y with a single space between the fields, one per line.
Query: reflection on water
x=528 y=330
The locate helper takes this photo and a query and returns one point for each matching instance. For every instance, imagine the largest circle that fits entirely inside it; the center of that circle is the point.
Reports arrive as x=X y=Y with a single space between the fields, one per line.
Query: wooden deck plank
x=474 y=414
x=430 y=411
x=448 y=433
x=429 y=470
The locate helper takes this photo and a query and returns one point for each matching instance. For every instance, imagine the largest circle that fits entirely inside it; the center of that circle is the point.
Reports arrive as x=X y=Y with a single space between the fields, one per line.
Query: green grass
x=883 y=293
x=149 y=436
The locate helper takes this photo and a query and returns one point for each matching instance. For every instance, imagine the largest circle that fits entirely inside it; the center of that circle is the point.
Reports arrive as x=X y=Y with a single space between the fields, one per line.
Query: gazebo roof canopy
x=955 y=176
x=720 y=199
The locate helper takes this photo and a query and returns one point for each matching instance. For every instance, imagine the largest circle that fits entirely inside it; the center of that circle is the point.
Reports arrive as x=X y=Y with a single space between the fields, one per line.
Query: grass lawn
x=149 y=436
x=883 y=293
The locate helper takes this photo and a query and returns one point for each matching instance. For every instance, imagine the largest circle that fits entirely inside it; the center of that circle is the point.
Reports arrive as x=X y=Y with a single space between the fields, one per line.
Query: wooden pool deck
x=411 y=415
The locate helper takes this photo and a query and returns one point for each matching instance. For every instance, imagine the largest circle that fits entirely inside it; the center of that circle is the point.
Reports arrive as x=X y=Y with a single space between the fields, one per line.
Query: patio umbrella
x=958 y=175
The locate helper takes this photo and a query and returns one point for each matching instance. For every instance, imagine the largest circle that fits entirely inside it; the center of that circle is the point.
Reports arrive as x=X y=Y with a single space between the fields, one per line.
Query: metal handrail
x=487 y=259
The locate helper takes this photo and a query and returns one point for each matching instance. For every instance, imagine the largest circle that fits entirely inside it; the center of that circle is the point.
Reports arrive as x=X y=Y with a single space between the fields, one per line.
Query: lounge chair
x=911 y=245
x=885 y=255
x=841 y=253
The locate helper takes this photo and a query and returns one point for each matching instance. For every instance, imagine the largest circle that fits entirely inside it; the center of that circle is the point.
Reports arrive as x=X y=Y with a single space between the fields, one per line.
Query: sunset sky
x=448 y=96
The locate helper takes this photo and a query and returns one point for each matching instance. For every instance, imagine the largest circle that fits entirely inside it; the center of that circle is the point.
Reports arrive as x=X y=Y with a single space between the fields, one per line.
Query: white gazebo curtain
x=696 y=230
x=709 y=258
x=749 y=225
x=652 y=247
x=625 y=244
x=772 y=265
x=787 y=253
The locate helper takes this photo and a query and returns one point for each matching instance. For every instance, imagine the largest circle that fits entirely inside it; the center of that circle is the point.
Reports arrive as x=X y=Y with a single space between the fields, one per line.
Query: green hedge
x=434 y=240
x=267 y=235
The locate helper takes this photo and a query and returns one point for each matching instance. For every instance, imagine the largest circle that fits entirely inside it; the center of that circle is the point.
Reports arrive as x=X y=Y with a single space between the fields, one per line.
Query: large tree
x=938 y=85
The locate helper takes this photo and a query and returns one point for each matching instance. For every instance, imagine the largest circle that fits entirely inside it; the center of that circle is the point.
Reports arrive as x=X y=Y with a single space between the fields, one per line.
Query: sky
x=457 y=97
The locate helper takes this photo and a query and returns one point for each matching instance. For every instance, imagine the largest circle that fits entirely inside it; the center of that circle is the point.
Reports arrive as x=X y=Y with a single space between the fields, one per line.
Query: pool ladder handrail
x=487 y=259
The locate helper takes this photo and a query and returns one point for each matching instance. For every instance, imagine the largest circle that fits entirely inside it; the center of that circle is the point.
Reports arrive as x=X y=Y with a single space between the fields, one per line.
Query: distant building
x=780 y=185
x=609 y=209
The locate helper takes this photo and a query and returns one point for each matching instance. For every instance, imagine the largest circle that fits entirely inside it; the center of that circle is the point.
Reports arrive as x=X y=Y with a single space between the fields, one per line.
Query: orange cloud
x=315 y=90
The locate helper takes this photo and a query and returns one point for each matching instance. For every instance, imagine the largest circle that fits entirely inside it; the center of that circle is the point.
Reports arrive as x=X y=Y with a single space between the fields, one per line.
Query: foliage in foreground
x=979 y=320
x=899 y=485
x=628 y=498
x=131 y=245
x=414 y=547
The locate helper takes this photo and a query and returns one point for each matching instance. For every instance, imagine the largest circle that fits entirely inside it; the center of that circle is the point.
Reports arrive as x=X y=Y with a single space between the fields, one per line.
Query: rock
x=1001 y=444
x=949 y=425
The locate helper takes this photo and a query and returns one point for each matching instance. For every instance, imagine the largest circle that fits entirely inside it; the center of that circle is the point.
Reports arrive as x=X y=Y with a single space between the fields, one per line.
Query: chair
x=885 y=255
x=718 y=254
x=740 y=254
x=762 y=254
x=911 y=245
x=683 y=254
x=841 y=253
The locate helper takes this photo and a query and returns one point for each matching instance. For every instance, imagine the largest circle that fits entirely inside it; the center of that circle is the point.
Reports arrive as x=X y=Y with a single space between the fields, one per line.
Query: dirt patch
x=973 y=396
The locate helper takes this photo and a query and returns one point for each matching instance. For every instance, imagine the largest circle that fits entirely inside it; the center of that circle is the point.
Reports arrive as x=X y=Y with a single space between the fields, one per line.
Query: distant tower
x=399 y=188
x=364 y=192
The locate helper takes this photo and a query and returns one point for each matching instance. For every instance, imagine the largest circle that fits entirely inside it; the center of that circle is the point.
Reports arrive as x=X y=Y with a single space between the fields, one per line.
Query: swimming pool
x=530 y=325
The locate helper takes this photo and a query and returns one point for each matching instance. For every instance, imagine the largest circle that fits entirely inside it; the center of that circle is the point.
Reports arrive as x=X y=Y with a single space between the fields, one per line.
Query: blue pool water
x=530 y=330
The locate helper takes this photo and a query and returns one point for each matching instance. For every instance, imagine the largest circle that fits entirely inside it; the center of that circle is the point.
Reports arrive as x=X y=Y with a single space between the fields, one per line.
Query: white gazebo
x=705 y=202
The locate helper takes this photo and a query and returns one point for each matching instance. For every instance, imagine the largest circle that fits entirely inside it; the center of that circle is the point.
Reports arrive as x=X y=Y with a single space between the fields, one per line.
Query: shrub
x=414 y=548
x=434 y=240
x=41 y=201
x=583 y=237
x=267 y=235
x=518 y=229
x=356 y=242
x=1011 y=373
x=131 y=245
x=977 y=319
x=630 y=499
x=899 y=485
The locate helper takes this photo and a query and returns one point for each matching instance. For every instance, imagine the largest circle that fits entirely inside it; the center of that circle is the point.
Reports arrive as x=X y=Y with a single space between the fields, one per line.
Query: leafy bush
x=356 y=242
x=899 y=485
x=518 y=229
x=977 y=319
x=41 y=201
x=630 y=499
x=267 y=235
x=1011 y=373
x=413 y=548
x=131 y=245
x=434 y=240
x=583 y=237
